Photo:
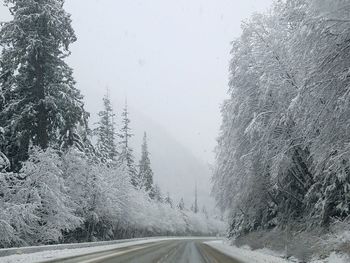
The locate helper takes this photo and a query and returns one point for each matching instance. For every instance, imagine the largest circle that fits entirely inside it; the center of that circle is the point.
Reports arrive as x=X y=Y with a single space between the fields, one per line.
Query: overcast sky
x=170 y=58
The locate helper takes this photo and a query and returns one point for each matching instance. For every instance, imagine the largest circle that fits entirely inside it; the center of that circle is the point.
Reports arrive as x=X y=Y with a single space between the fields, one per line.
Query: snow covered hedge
x=65 y=197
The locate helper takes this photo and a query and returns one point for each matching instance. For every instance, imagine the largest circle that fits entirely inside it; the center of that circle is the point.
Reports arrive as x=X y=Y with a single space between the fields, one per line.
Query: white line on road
x=113 y=255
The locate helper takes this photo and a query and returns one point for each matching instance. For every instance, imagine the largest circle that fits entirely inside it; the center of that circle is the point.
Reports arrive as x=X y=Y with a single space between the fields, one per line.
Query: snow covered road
x=165 y=251
x=162 y=250
x=155 y=250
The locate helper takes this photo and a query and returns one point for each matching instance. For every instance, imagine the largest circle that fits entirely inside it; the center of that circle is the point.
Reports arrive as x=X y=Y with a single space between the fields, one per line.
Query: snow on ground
x=54 y=254
x=245 y=254
x=334 y=258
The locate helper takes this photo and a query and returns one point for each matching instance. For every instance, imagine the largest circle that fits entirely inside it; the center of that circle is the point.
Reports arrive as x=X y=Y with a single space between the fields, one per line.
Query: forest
x=282 y=159
x=61 y=179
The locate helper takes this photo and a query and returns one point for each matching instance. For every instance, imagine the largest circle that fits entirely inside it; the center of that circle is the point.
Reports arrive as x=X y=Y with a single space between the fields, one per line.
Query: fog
x=170 y=60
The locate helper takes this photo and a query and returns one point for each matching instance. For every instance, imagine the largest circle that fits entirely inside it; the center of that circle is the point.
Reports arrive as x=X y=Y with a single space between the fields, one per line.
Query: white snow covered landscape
x=175 y=131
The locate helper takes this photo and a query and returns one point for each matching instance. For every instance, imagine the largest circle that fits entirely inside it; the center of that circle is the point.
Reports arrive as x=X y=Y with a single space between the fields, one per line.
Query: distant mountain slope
x=176 y=168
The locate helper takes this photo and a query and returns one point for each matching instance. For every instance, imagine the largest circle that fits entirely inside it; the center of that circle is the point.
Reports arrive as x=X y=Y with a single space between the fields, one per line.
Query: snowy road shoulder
x=245 y=255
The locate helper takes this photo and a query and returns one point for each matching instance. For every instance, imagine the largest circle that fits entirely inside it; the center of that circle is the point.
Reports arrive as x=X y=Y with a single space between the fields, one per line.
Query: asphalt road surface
x=171 y=251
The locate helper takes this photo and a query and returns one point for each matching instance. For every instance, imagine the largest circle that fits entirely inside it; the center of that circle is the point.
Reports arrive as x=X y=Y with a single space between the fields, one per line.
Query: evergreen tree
x=192 y=208
x=168 y=200
x=39 y=101
x=181 y=204
x=145 y=171
x=106 y=131
x=156 y=194
x=195 y=205
x=204 y=211
x=126 y=157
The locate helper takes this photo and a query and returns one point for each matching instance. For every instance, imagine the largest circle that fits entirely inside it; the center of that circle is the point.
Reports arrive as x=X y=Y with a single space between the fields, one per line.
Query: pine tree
x=168 y=200
x=204 y=211
x=39 y=101
x=145 y=171
x=195 y=205
x=126 y=157
x=181 y=204
x=156 y=194
x=106 y=131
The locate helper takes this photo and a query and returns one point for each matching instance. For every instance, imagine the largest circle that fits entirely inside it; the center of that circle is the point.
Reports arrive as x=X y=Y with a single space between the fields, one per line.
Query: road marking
x=170 y=253
x=93 y=260
x=217 y=255
x=204 y=254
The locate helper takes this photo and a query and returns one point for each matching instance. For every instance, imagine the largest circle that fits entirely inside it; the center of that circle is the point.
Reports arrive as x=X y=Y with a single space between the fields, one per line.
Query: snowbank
x=334 y=258
x=245 y=254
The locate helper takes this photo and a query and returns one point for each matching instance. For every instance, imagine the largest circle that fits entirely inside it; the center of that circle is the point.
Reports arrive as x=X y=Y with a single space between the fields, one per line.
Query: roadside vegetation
x=283 y=156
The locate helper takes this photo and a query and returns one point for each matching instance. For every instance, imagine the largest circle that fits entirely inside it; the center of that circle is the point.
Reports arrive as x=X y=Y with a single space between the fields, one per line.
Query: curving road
x=171 y=251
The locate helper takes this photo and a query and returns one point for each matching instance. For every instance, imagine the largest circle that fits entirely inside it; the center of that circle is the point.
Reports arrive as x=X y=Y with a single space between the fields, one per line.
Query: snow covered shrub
x=80 y=179
x=44 y=185
x=17 y=216
x=98 y=191
x=67 y=197
x=337 y=239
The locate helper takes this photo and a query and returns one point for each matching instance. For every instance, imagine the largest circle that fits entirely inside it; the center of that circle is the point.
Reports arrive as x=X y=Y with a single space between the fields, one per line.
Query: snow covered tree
x=145 y=172
x=195 y=204
x=126 y=158
x=256 y=127
x=106 y=133
x=168 y=200
x=204 y=211
x=281 y=150
x=324 y=102
x=81 y=178
x=156 y=194
x=101 y=194
x=40 y=104
x=181 y=205
x=44 y=186
x=67 y=196
x=18 y=219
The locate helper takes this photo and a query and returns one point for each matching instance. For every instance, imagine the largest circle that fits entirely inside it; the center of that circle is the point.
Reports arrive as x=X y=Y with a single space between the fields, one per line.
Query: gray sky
x=170 y=58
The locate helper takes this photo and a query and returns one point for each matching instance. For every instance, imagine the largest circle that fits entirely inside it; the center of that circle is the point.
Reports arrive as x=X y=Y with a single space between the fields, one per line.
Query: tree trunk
x=41 y=133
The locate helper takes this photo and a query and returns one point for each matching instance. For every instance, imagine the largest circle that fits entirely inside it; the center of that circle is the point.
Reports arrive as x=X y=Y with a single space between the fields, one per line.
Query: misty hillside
x=176 y=169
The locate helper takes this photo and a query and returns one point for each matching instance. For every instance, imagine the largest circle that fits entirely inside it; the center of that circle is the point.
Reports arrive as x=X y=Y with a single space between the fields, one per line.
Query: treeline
x=61 y=181
x=283 y=154
x=60 y=197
